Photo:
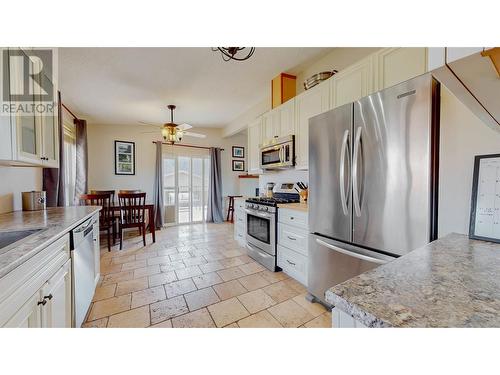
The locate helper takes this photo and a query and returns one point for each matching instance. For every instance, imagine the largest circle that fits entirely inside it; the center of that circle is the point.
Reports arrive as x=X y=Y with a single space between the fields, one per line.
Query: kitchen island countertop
x=451 y=282
x=54 y=222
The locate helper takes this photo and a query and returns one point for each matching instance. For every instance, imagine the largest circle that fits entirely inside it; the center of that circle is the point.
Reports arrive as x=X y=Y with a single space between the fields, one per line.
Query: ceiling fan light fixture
x=230 y=53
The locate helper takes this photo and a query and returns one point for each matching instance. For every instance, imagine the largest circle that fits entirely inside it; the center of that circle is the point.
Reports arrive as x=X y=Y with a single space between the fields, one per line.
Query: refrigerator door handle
x=342 y=173
x=357 y=145
x=350 y=253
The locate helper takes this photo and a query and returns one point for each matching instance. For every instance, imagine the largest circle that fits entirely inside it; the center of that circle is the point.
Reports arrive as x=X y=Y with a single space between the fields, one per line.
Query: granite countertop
x=294 y=206
x=451 y=282
x=55 y=223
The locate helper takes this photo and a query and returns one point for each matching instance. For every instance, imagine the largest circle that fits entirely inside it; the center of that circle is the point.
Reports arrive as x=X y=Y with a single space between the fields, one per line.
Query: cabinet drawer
x=293 y=217
x=240 y=217
x=239 y=204
x=293 y=264
x=292 y=237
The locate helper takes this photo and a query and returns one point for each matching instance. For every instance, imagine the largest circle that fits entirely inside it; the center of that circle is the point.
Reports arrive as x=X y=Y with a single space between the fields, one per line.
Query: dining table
x=148 y=207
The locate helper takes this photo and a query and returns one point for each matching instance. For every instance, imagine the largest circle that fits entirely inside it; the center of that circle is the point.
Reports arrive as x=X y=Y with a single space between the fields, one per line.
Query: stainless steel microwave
x=278 y=153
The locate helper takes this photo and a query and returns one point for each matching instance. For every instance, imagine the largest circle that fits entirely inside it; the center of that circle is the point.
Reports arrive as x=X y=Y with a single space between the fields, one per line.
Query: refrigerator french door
x=373 y=181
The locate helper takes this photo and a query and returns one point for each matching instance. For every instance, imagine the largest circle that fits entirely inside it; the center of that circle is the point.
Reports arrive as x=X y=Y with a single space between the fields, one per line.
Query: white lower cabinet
x=38 y=292
x=341 y=319
x=292 y=250
x=240 y=223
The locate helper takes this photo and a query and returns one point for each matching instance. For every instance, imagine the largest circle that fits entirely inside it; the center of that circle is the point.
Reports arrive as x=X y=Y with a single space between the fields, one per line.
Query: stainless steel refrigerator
x=373 y=167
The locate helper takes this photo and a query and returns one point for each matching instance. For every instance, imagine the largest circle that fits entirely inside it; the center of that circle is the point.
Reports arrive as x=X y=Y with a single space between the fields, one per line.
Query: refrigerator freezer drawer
x=293 y=264
x=332 y=262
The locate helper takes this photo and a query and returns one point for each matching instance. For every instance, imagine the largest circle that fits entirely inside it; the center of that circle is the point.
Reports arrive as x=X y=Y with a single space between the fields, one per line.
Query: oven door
x=261 y=230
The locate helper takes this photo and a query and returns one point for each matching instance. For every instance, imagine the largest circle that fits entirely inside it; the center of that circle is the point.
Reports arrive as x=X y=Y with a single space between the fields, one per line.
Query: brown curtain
x=81 y=184
x=53 y=178
x=215 y=210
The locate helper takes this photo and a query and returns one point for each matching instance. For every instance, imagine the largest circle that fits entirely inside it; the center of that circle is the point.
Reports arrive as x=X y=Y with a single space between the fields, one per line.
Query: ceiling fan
x=171 y=132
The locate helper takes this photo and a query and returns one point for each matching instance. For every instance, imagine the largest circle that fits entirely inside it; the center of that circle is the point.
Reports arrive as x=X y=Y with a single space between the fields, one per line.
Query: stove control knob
x=265 y=208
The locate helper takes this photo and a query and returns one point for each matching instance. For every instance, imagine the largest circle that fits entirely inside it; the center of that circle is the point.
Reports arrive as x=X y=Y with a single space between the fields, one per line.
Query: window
x=70 y=159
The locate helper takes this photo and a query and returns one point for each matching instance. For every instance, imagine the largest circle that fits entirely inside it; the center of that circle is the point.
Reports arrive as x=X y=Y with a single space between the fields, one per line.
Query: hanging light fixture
x=230 y=53
x=170 y=132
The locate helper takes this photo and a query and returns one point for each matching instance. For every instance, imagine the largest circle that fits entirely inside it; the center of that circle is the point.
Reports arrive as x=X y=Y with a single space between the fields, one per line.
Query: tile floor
x=196 y=276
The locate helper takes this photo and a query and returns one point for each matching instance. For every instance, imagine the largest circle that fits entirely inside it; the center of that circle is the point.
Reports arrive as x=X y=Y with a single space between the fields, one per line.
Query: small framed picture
x=485 y=200
x=238 y=165
x=238 y=152
x=124 y=158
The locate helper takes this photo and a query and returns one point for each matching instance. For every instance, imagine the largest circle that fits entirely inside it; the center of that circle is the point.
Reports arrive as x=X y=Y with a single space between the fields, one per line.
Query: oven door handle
x=259 y=214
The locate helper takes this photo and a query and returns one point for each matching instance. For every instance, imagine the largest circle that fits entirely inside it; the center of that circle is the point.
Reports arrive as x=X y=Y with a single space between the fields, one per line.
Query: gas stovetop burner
x=274 y=201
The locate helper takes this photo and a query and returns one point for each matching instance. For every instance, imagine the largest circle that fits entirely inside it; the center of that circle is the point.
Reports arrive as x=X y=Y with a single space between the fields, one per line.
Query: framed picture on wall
x=485 y=200
x=238 y=165
x=238 y=152
x=124 y=158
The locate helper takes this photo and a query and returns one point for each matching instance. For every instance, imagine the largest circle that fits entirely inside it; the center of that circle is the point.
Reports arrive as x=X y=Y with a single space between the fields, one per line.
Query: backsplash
x=15 y=180
x=281 y=176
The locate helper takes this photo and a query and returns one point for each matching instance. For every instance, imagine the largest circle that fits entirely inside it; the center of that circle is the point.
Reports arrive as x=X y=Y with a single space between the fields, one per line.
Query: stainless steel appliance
x=261 y=227
x=278 y=153
x=34 y=200
x=373 y=181
x=83 y=265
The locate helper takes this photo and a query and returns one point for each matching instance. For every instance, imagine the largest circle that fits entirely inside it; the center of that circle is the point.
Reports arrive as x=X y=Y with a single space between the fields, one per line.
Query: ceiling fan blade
x=196 y=135
x=148 y=123
x=184 y=127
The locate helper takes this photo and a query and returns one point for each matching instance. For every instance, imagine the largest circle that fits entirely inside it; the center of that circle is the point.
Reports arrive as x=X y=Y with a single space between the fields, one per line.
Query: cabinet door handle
x=43 y=302
x=49 y=297
x=291 y=218
x=291 y=263
x=291 y=238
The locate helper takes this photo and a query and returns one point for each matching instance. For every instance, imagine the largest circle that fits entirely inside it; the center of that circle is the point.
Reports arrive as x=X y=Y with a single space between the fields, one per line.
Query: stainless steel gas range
x=262 y=218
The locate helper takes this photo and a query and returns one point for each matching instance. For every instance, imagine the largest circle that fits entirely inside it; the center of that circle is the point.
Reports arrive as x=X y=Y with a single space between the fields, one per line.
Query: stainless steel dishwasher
x=83 y=268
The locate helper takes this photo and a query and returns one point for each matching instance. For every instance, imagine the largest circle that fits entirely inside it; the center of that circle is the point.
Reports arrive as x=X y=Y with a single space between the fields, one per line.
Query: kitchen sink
x=9 y=239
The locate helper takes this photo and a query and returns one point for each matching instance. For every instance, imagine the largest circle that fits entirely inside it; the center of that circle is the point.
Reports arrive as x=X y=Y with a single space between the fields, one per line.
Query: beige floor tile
x=295 y=285
x=214 y=256
x=315 y=309
x=229 y=289
x=134 y=265
x=129 y=286
x=159 y=260
x=172 y=266
x=231 y=262
x=280 y=291
x=251 y=268
x=109 y=306
x=180 y=287
x=201 y=298
x=147 y=255
x=206 y=280
x=162 y=278
x=290 y=314
x=146 y=271
x=231 y=273
x=196 y=319
x=232 y=253
x=262 y=319
x=232 y=325
x=256 y=301
x=99 y=323
x=164 y=324
x=110 y=268
x=211 y=267
x=273 y=277
x=253 y=282
x=104 y=292
x=168 y=309
x=194 y=261
x=245 y=259
x=114 y=278
x=167 y=251
x=148 y=296
x=185 y=273
x=123 y=259
x=179 y=256
x=136 y=318
x=227 y=312
x=322 y=321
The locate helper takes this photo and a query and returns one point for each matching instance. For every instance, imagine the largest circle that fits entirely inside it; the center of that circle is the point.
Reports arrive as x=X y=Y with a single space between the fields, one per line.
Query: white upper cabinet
x=352 y=83
x=270 y=125
x=287 y=118
x=396 y=65
x=308 y=104
x=254 y=141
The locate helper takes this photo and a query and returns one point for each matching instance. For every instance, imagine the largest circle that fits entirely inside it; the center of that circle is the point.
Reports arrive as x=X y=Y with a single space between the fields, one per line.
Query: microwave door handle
x=351 y=253
x=343 y=150
x=281 y=155
x=355 y=171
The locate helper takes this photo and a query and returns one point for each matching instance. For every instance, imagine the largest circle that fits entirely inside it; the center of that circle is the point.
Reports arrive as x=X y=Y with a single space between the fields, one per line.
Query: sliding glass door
x=185 y=186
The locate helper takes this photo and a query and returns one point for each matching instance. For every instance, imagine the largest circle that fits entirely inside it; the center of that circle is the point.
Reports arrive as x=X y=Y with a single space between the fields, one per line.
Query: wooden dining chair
x=132 y=214
x=112 y=192
x=129 y=191
x=114 y=217
x=105 y=215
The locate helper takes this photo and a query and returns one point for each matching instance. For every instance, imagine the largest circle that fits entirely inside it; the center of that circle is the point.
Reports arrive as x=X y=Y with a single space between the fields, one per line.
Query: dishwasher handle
x=351 y=253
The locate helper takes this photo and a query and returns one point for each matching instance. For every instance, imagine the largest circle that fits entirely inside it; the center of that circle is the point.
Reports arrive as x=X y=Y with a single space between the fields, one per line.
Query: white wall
x=13 y=181
x=101 y=156
x=463 y=136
